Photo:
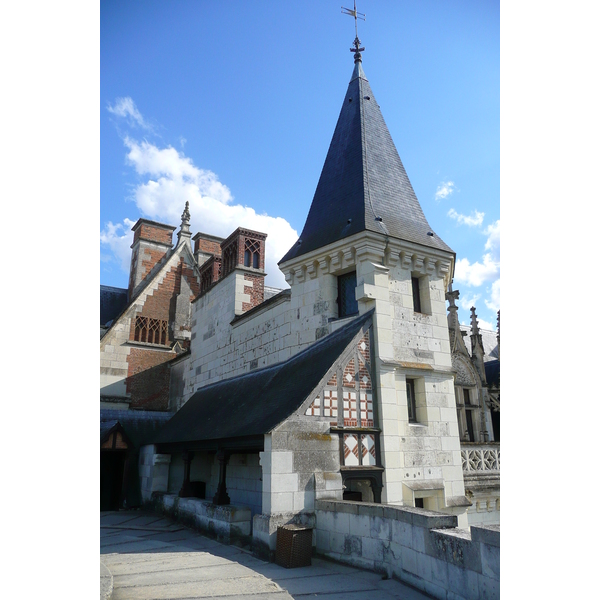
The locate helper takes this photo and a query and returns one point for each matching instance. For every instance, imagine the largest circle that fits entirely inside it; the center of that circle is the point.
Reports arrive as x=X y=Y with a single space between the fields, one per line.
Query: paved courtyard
x=148 y=557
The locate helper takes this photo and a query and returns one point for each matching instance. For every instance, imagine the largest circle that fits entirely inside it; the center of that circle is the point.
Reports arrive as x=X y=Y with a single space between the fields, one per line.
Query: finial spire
x=357 y=15
x=185 y=216
x=474 y=322
x=184 y=231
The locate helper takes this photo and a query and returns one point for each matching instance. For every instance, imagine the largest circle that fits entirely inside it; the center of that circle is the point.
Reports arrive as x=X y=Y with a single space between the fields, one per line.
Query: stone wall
x=227 y=524
x=244 y=477
x=417 y=546
x=222 y=347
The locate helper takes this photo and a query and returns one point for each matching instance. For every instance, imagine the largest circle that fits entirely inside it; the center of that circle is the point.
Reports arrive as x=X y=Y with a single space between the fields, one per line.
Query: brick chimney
x=206 y=246
x=243 y=253
x=151 y=241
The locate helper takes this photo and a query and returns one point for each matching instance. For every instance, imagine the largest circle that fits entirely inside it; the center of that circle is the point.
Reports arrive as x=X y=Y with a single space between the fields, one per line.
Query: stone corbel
x=349 y=257
x=289 y=277
x=405 y=260
x=324 y=264
x=301 y=274
x=311 y=270
x=418 y=263
x=335 y=262
x=391 y=258
x=429 y=266
x=369 y=252
x=442 y=268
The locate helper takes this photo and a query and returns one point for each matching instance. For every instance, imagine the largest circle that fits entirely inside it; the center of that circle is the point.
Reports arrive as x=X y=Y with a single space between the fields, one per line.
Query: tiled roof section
x=490 y=342
x=139 y=425
x=253 y=404
x=363 y=180
x=112 y=302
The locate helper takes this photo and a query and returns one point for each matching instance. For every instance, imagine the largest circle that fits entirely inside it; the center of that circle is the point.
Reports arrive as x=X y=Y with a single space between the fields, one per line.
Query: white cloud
x=475 y=219
x=118 y=239
x=493 y=242
x=169 y=179
x=477 y=273
x=493 y=303
x=483 y=324
x=126 y=108
x=466 y=301
x=444 y=190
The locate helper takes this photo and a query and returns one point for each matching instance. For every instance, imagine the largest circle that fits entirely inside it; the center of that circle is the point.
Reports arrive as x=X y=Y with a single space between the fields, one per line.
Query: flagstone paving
x=149 y=557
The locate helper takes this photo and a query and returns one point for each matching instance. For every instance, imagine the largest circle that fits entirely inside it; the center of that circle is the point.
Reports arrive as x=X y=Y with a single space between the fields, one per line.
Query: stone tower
x=366 y=244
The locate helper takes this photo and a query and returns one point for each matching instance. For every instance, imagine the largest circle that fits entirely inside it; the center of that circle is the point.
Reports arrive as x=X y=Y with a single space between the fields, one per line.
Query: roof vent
x=349 y=99
x=378 y=219
x=367 y=97
x=299 y=242
x=430 y=233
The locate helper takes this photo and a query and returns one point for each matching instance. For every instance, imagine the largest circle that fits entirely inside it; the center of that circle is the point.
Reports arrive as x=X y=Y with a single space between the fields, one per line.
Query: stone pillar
x=221 y=497
x=160 y=475
x=186 y=488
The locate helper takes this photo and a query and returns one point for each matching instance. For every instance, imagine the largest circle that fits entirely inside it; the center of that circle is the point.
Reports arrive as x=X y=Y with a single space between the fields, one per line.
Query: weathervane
x=357 y=15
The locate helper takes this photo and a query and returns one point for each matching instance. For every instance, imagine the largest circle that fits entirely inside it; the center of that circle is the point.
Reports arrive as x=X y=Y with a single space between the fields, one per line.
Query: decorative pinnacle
x=452 y=297
x=357 y=15
x=185 y=217
x=474 y=323
x=184 y=231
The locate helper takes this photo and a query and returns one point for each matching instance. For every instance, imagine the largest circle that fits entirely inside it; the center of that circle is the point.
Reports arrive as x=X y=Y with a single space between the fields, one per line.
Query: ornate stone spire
x=474 y=322
x=477 y=352
x=184 y=231
x=453 y=322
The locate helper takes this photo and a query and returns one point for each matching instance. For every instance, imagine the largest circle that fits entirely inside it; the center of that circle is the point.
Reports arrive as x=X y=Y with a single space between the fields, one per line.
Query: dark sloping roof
x=363 y=179
x=489 y=339
x=112 y=302
x=492 y=372
x=254 y=403
x=139 y=425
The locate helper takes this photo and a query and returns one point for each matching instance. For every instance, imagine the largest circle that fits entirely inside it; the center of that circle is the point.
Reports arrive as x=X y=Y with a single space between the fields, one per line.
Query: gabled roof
x=363 y=184
x=255 y=403
x=139 y=425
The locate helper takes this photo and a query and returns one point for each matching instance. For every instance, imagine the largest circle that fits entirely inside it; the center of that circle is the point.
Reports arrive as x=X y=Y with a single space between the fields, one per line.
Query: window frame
x=411 y=400
x=341 y=279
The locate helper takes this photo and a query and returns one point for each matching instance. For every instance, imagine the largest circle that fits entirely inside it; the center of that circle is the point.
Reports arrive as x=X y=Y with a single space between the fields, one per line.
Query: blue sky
x=232 y=105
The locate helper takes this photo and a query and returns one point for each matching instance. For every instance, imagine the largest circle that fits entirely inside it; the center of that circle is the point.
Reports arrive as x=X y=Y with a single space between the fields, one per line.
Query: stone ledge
x=418 y=517
x=486 y=534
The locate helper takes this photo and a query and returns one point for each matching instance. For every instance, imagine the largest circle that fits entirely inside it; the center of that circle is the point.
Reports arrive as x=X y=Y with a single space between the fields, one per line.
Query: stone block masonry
x=419 y=547
x=227 y=524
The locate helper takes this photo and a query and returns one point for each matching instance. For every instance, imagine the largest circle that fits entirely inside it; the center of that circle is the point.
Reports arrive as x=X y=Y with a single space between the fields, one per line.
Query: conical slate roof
x=363 y=184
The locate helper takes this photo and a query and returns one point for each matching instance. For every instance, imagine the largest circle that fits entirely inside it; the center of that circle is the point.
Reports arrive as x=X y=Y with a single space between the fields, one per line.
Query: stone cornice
x=369 y=246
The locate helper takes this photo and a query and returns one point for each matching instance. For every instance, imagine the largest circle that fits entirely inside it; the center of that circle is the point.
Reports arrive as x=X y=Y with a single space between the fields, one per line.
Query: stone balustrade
x=480 y=457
